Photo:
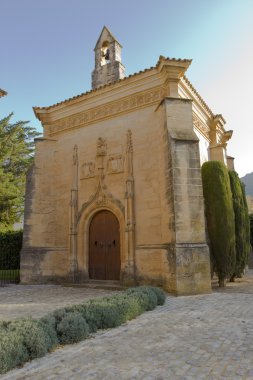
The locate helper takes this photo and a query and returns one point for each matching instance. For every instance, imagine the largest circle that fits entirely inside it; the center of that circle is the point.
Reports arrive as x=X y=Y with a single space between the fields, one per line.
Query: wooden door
x=104 y=247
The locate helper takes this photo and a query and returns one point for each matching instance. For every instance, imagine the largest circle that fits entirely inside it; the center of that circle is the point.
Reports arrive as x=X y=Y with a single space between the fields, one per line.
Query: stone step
x=98 y=284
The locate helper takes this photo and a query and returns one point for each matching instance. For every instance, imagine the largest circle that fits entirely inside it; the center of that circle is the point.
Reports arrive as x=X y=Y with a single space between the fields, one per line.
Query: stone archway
x=104 y=247
x=86 y=215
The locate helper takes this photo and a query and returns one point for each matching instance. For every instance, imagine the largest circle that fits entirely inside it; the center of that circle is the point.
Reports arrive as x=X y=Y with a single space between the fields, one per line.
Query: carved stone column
x=129 y=273
x=74 y=217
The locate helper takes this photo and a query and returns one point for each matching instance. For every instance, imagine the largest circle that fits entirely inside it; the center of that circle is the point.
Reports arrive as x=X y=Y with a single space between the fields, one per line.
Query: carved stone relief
x=101 y=165
x=87 y=170
x=115 y=164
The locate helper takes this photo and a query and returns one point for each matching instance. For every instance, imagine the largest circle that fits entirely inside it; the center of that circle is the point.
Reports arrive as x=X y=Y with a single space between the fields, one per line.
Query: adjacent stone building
x=115 y=192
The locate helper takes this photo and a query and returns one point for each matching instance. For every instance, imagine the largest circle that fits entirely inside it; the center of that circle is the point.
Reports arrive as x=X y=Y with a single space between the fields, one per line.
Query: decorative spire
x=129 y=148
x=75 y=155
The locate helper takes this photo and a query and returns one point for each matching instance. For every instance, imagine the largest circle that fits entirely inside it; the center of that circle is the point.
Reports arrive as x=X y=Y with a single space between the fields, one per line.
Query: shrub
x=49 y=326
x=106 y=313
x=10 y=247
x=88 y=313
x=12 y=350
x=220 y=218
x=127 y=306
x=72 y=328
x=34 y=338
x=160 y=294
x=145 y=296
x=26 y=339
x=59 y=314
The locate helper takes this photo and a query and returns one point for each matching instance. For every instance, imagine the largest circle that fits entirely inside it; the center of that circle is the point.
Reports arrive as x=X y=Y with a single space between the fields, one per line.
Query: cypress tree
x=220 y=218
x=241 y=224
x=247 y=224
x=251 y=230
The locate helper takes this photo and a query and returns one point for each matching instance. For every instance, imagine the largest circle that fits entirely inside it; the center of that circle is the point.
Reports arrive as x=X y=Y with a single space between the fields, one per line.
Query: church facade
x=115 y=192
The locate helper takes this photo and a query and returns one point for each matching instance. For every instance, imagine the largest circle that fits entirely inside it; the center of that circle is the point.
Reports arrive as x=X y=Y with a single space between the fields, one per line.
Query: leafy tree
x=220 y=218
x=16 y=153
x=242 y=236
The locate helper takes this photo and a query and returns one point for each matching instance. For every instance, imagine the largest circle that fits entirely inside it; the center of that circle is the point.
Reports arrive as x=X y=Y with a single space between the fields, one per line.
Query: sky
x=47 y=53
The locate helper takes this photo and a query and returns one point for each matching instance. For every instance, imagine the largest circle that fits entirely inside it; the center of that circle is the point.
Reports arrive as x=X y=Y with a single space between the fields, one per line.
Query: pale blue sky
x=47 y=52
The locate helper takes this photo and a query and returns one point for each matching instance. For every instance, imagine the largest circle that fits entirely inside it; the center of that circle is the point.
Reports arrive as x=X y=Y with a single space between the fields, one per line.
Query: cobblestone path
x=194 y=337
x=20 y=301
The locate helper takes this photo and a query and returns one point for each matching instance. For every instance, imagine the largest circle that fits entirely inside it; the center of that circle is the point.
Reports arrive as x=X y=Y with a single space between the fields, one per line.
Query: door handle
x=109 y=244
x=99 y=243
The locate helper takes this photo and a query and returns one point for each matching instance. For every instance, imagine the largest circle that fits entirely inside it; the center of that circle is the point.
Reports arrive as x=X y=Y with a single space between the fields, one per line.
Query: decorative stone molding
x=74 y=216
x=101 y=197
x=201 y=127
x=129 y=204
x=126 y=104
x=225 y=138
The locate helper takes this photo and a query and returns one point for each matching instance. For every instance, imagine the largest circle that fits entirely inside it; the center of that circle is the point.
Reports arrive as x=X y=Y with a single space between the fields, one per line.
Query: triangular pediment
x=105 y=35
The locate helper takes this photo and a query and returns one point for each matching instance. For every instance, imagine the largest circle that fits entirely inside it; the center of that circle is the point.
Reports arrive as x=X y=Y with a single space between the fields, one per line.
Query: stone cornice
x=111 y=109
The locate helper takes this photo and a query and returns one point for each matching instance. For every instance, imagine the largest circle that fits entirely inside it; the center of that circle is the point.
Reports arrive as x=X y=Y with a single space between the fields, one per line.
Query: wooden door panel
x=104 y=247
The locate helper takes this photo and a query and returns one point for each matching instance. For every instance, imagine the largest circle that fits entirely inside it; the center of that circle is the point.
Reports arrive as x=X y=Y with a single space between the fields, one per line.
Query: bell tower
x=108 y=66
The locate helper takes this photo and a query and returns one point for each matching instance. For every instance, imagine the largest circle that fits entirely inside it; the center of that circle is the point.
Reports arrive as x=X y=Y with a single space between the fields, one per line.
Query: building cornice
x=108 y=110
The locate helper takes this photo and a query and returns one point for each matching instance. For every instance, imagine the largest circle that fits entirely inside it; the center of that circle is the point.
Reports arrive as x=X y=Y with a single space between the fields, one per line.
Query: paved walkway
x=197 y=337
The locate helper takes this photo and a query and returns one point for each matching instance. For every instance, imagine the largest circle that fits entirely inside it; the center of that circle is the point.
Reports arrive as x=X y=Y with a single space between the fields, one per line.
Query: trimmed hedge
x=10 y=247
x=26 y=339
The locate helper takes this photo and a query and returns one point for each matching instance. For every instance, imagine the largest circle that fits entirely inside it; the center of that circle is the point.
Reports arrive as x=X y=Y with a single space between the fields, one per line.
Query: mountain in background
x=248 y=182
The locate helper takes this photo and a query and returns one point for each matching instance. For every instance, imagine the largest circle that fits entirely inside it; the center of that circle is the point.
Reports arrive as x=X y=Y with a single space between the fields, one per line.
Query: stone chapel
x=115 y=191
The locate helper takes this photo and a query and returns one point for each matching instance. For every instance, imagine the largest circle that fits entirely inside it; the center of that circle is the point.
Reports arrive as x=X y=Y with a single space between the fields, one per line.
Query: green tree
x=247 y=223
x=242 y=236
x=16 y=153
x=220 y=218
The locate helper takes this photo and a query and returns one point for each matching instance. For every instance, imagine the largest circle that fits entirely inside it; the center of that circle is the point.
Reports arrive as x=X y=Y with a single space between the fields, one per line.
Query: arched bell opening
x=105 y=53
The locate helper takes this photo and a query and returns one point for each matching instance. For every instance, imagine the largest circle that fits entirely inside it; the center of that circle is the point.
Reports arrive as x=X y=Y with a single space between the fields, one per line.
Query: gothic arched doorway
x=104 y=247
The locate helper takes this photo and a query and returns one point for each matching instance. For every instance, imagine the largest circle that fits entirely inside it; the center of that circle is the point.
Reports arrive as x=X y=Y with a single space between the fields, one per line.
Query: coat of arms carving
x=88 y=170
x=115 y=164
